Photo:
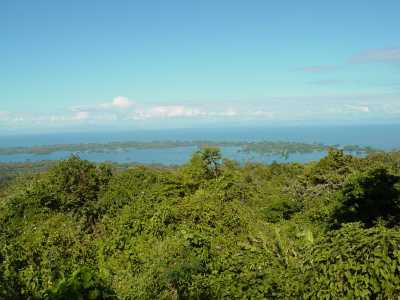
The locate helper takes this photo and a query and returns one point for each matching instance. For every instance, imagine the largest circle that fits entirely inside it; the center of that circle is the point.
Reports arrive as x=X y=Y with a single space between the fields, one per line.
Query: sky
x=93 y=65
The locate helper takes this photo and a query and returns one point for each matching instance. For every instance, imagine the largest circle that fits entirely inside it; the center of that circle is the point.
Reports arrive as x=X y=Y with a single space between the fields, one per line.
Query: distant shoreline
x=260 y=147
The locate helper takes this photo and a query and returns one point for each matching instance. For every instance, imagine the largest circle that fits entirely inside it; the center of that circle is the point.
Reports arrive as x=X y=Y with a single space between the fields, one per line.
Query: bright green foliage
x=82 y=284
x=331 y=169
x=354 y=263
x=42 y=251
x=72 y=186
x=204 y=165
x=76 y=184
x=210 y=229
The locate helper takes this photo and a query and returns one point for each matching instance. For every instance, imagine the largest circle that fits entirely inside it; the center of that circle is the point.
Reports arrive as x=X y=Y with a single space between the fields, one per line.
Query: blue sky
x=80 y=65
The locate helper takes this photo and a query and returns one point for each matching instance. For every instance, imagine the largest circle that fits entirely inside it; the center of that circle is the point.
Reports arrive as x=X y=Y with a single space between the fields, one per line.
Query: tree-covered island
x=260 y=147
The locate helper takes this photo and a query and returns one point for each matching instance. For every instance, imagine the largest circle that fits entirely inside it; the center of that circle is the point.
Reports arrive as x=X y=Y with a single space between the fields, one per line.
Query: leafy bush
x=371 y=196
x=82 y=284
x=76 y=183
x=353 y=263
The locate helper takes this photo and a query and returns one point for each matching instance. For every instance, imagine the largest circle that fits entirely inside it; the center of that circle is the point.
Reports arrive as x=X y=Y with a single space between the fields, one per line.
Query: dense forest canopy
x=210 y=229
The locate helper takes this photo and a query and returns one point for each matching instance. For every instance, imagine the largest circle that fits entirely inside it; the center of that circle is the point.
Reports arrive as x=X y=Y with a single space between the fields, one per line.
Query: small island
x=283 y=148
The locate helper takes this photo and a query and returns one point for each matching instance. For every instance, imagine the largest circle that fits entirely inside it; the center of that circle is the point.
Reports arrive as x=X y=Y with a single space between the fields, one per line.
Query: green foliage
x=82 y=284
x=332 y=169
x=76 y=183
x=211 y=158
x=371 y=196
x=281 y=210
x=43 y=249
x=210 y=229
x=353 y=263
x=73 y=185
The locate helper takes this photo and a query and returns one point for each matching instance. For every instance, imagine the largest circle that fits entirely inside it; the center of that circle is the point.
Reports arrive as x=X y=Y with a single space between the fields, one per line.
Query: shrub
x=82 y=284
x=369 y=197
x=354 y=263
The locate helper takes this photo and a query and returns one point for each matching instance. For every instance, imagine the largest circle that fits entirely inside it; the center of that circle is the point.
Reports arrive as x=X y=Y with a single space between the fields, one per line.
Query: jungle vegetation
x=210 y=229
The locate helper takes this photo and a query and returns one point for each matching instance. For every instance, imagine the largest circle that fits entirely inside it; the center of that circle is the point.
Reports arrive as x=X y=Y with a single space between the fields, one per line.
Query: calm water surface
x=171 y=156
x=380 y=136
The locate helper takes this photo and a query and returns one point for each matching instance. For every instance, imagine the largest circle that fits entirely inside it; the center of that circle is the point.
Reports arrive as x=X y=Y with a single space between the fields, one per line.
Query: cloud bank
x=122 y=112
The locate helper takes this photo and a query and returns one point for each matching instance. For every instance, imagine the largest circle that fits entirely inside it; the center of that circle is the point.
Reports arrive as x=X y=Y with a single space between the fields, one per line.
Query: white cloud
x=8 y=117
x=121 y=108
x=181 y=111
x=358 y=108
x=122 y=112
x=263 y=114
x=119 y=102
x=391 y=109
x=4 y=115
x=377 y=55
x=173 y=111
x=18 y=119
x=230 y=112
x=55 y=119
x=81 y=116
x=168 y=111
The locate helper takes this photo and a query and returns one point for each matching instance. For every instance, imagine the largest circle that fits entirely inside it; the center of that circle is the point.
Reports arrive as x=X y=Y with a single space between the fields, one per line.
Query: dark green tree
x=77 y=182
x=371 y=196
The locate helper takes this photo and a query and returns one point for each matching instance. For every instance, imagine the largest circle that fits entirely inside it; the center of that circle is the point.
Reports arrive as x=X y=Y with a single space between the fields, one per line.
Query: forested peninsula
x=260 y=147
x=209 y=229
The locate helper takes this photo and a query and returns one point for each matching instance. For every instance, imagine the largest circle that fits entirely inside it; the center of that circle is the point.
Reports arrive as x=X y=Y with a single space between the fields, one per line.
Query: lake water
x=380 y=136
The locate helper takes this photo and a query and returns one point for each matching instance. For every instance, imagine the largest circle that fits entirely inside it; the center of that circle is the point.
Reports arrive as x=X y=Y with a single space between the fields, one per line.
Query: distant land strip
x=260 y=147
